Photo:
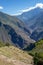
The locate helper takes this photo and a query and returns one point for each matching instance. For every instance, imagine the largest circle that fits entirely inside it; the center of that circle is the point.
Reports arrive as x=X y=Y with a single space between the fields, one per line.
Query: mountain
x=36 y=52
x=34 y=20
x=29 y=17
x=14 y=31
x=38 y=47
x=37 y=28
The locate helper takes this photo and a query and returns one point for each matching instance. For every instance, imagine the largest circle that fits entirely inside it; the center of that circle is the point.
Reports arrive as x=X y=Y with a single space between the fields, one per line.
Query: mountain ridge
x=34 y=20
x=15 y=30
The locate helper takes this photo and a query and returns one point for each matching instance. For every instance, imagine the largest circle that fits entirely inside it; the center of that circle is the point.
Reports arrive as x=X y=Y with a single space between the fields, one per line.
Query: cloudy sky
x=13 y=7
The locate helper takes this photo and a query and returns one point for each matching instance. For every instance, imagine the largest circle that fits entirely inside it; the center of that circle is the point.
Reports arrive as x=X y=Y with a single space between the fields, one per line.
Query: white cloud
x=1 y=7
x=37 y=5
x=27 y=9
x=30 y=8
x=17 y=14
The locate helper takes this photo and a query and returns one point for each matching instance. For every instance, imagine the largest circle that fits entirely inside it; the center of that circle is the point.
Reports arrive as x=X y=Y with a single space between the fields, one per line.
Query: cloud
x=1 y=7
x=30 y=8
x=17 y=14
x=37 y=5
x=27 y=9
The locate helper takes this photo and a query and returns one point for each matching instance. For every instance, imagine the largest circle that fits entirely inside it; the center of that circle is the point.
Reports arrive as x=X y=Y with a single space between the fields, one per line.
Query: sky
x=14 y=7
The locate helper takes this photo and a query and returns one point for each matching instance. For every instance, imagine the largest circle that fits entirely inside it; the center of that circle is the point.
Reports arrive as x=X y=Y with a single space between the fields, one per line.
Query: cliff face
x=14 y=31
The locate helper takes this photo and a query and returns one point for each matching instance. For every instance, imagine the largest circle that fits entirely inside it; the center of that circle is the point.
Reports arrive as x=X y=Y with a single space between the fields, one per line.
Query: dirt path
x=15 y=62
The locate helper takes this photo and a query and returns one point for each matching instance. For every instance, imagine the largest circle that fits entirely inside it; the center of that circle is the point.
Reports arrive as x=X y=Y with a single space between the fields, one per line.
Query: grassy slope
x=15 y=54
x=2 y=62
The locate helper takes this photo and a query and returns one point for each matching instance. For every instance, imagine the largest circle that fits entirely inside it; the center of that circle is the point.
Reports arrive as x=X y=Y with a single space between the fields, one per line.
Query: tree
x=36 y=58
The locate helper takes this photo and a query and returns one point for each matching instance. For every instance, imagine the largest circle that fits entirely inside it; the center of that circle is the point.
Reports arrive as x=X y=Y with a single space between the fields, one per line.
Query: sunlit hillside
x=13 y=56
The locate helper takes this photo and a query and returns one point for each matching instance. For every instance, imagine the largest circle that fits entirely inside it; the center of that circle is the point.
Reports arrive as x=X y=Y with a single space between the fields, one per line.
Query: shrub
x=7 y=44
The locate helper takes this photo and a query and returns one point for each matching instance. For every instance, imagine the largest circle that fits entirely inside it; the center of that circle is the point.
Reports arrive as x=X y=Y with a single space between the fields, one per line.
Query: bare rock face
x=14 y=31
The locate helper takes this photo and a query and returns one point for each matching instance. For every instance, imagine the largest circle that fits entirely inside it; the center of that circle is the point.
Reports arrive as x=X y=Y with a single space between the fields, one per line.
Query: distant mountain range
x=13 y=30
x=34 y=21
x=23 y=29
x=37 y=27
x=29 y=16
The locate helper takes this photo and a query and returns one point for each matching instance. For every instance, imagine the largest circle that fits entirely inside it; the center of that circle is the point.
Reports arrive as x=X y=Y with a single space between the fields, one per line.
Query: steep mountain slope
x=38 y=47
x=13 y=30
x=14 y=56
x=37 y=52
x=4 y=37
x=34 y=21
x=37 y=28
x=29 y=17
x=38 y=22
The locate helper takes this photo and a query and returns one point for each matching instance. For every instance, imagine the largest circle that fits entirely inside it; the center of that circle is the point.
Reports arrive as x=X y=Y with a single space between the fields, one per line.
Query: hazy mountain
x=29 y=17
x=14 y=31
x=34 y=20
x=37 y=28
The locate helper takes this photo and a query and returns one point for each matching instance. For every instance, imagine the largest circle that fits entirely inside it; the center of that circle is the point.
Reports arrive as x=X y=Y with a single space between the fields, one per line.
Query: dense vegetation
x=37 y=52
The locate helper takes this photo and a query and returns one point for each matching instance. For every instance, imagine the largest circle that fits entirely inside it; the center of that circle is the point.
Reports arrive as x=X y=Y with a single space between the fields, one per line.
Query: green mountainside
x=38 y=47
x=36 y=50
x=37 y=53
